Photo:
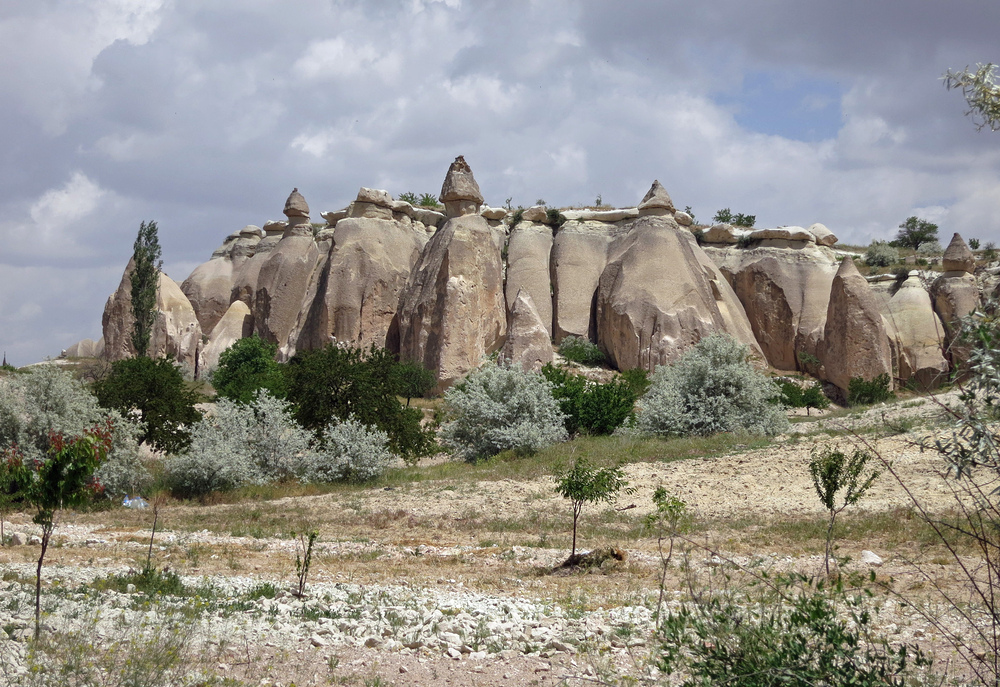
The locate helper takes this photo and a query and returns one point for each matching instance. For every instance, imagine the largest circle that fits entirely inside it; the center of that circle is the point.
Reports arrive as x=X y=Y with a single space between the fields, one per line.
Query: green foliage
x=670 y=520
x=712 y=388
x=833 y=472
x=149 y=581
x=690 y=212
x=930 y=248
x=145 y=281
x=974 y=244
x=981 y=93
x=794 y=396
x=247 y=366
x=63 y=480
x=338 y=382
x=744 y=241
x=516 y=217
x=240 y=444
x=792 y=638
x=408 y=197
x=915 y=231
x=881 y=254
x=723 y=216
x=990 y=251
x=813 y=397
x=154 y=389
x=349 y=452
x=582 y=484
x=861 y=392
x=726 y=216
x=499 y=408
x=412 y=380
x=15 y=477
x=590 y=406
x=428 y=200
x=554 y=218
x=580 y=350
x=638 y=380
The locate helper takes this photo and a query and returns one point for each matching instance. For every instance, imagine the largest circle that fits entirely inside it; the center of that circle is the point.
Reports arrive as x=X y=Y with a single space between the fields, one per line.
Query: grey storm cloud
x=203 y=116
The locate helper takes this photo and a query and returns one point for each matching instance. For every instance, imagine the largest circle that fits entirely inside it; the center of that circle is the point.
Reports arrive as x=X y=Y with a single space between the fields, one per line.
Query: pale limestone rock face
x=536 y=213
x=785 y=294
x=235 y=324
x=955 y=295
x=784 y=234
x=722 y=233
x=528 y=344
x=579 y=256
x=246 y=244
x=958 y=257
x=918 y=331
x=460 y=193
x=209 y=288
x=528 y=268
x=361 y=283
x=855 y=341
x=376 y=196
x=332 y=217
x=282 y=284
x=86 y=348
x=616 y=215
x=684 y=219
x=452 y=311
x=493 y=213
x=656 y=202
x=660 y=294
x=824 y=236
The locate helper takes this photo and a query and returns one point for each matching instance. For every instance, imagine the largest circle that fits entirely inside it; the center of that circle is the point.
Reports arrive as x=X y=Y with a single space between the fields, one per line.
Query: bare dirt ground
x=489 y=541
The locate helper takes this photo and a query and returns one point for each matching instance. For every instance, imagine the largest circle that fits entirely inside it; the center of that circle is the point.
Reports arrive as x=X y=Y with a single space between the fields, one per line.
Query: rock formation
x=955 y=294
x=648 y=315
x=528 y=258
x=855 y=343
x=235 y=324
x=579 y=256
x=451 y=312
x=528 y=343
x=918 y=331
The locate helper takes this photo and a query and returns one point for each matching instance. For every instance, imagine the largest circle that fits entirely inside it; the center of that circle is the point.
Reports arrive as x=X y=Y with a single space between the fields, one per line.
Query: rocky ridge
x=441 y=287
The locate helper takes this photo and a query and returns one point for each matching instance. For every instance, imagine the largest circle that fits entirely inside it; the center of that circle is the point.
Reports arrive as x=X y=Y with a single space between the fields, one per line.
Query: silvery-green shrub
x=881 y=254
x=930 y=248
x=350 y=451
x=712 y=388
x=44 y=399
x=123 y=471
x=498 y=408
x=238 y=445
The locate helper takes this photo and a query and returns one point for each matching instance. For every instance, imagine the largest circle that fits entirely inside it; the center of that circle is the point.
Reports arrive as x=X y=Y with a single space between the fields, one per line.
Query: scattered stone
x=536 y=213
x=824 y=236
x=683 y=218
x=17 y=539
x=34 y=540
x=871 y=558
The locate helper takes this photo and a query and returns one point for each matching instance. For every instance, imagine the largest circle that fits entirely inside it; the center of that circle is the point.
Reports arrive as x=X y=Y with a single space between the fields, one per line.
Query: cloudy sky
x=204 y=115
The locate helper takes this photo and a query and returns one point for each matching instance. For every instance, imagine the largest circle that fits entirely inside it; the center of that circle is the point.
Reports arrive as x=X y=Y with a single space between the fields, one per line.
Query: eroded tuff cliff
x=449 y=288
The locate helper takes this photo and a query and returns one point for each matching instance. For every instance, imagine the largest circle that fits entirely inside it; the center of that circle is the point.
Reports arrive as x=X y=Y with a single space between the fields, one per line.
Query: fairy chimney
x=460 y=193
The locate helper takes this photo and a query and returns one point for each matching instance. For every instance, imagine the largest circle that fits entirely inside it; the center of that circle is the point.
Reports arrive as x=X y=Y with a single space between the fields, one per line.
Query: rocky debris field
x=456 y=582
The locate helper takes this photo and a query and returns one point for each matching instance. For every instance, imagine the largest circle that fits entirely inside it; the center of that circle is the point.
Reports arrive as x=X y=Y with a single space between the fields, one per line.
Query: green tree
x=247 y=366
x=981 y=92
x=338 y=382
x=15 y=477
x=915 y=231
x=412 y=380
x=834 y=472
x=157 y=391
x=64 y=480
x=145 y=280
x=583 y=484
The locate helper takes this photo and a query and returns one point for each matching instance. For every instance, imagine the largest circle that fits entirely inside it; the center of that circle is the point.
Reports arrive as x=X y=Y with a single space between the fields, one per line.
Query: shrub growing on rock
x=580 y=350
x=498 y=408
x=881 y=254
x=712 y=388
x=350 y=452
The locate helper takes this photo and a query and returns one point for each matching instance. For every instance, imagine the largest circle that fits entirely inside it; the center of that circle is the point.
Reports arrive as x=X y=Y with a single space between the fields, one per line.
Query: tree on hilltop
x=915 y=231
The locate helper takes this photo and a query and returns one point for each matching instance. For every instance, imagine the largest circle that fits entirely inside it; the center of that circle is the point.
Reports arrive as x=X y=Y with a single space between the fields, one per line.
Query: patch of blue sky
x=787 y=104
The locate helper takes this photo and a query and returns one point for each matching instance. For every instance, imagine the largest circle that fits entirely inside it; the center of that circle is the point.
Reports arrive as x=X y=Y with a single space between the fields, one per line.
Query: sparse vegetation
x=863 y=392
x=578 y=349
x=881 y=254
x=583 y=484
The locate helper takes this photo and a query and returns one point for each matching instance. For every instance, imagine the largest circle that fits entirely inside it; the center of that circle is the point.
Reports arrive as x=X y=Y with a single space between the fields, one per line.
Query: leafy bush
x=712 y=388
x=245 y=367
x=123 y=471
x=350 y=452
x=408 y=197
x=498 y=408
x=930 y=248
x=240 y=444
x=590 y=406
x=580 y=350
x=862 y=393
x=411 y=380
x=813 y=397
x=337 y=382
x=582 y=484
x=741 y=220
x=726 y=216
x=974 y=244
x=42 y=400
x=428 y=200
x=155 y=389
x=793 y=637
x=723 y=216
x=881 y=254
x=794 y=396
x=638 y=380
x=554 y=218
x=915 y=231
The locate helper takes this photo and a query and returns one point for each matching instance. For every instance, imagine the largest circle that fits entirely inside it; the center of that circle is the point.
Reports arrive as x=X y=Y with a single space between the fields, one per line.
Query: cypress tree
x=145 y=279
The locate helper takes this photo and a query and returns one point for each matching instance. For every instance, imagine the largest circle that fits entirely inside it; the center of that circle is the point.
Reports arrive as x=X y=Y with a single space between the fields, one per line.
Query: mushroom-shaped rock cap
x=958 y=257
x=459 y=184
x=296 y=205
x=656 y=197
